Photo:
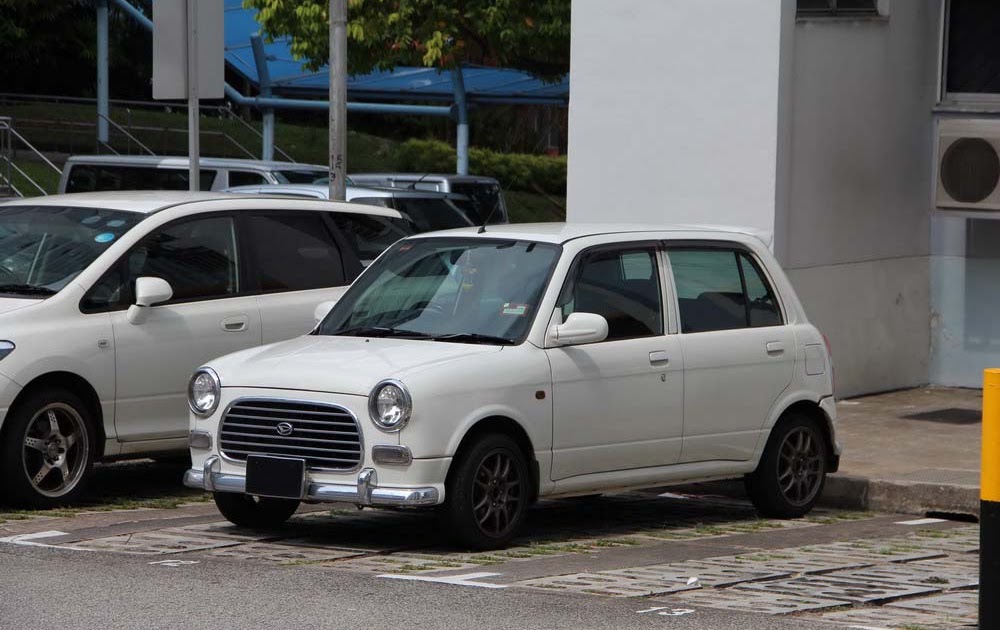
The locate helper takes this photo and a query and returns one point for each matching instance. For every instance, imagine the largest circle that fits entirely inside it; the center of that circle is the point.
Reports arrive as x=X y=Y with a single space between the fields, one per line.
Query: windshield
x=42 y=248
x=430 y=214
x=469 y=290
x=302 y=176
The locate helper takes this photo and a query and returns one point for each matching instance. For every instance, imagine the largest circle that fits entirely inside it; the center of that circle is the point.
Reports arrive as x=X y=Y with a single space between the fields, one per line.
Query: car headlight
x=6 y=347
x=204 y=392
x=390 y=405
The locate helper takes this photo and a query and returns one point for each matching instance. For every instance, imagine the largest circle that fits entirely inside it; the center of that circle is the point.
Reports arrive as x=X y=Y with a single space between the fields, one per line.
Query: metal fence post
x=989 y=509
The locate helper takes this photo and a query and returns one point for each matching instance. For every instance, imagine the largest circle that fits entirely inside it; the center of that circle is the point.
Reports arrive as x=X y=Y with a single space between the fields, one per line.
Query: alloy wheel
x=56 y=449
x=496 y=494
x=800 y=466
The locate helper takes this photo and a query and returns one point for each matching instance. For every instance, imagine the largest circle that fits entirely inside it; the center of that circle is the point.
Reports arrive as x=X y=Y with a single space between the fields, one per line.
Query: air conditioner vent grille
x=970 y=170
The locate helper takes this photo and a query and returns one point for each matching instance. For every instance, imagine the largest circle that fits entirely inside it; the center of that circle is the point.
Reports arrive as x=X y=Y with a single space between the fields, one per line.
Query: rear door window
x=293 y=251
x=721 y=289
x=371 y=235
x=246 y=178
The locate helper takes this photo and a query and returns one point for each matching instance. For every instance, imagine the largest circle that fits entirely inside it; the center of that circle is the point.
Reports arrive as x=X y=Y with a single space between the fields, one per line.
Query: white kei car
x=108 y=301
x=478 y=371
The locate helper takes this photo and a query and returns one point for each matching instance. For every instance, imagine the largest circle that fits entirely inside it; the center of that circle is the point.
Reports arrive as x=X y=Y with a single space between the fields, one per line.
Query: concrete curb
x=877 y=495
x=903 y=497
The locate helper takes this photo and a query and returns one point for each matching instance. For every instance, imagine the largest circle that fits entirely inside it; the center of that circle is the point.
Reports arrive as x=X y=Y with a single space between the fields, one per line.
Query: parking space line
x=922 y=521
x=465 y=579
x=28 y=540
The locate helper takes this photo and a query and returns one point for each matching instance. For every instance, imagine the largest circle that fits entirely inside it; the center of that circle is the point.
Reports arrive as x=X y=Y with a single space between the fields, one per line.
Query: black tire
x=254 y=512
x=792 y=471
x=49 y=444
x=487 y=493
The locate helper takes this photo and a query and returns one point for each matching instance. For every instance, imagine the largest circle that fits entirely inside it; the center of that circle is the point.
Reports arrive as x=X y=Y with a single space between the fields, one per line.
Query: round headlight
x=204 y=391
x=389 y=406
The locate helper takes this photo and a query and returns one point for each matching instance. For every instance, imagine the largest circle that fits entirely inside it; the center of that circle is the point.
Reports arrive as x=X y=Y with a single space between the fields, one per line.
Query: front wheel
x=254 y=512
x=488 y=493
x=48 y=449
x=792 y=472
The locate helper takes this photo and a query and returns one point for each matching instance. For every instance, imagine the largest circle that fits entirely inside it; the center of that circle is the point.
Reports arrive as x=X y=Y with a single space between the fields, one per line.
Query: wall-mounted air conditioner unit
x=968 y=164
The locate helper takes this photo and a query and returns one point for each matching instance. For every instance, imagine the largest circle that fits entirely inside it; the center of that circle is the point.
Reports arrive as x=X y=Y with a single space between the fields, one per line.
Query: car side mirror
x=322 y=309
x=148 y=292
x=580 y=328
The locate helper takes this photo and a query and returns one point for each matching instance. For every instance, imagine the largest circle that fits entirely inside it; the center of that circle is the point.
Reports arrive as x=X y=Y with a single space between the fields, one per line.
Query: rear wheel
x=48 y=449
x=254 y=512
x=792 y=472
x=488 y=493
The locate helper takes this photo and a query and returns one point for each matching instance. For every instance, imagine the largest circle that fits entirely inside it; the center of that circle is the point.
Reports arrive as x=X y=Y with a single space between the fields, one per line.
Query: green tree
x=531 y=35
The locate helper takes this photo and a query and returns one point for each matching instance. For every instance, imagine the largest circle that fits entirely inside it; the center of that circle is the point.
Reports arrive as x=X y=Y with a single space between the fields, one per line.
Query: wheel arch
x=503 y=425
x=79 y=386
x=813 y=410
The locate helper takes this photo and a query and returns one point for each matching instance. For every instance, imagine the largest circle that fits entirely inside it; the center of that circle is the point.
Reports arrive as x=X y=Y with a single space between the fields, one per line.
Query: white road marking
x=868 y=627
x=465 y=579
x=667 y=611
x=672 y=495
x=921 y=521
x=28 y=540
x=173 y=563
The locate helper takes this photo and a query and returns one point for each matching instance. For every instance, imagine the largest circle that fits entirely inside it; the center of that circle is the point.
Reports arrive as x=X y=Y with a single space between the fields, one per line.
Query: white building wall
x=674 y=110
x=855 y=239
x=732 y=111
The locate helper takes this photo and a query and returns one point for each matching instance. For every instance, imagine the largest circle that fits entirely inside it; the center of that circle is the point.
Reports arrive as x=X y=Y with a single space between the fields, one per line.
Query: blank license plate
x=280 y=477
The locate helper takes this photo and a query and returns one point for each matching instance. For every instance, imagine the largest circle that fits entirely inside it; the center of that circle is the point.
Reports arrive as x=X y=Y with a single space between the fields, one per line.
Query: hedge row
x=515 y=171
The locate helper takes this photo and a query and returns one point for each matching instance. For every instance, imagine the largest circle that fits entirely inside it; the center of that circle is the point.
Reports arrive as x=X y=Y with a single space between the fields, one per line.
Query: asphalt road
x=51 y=588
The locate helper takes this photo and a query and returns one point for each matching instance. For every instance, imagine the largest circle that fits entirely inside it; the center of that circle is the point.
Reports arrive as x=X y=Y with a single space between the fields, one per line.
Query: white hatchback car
x=108 y=301
x=480 y=371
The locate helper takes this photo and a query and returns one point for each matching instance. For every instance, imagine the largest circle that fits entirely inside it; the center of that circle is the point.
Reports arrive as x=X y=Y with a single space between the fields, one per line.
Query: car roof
x=560 y=233
x=182 y=162
x=427 y=177
x=151 y=201
x=353 y=192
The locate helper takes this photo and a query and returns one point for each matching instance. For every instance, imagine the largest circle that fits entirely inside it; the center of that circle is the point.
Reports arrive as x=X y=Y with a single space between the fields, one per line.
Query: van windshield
x=42 y=248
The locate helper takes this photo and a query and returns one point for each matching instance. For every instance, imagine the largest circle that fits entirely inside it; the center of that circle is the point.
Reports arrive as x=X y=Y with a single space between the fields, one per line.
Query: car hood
x=342 y=365
x=8 y=304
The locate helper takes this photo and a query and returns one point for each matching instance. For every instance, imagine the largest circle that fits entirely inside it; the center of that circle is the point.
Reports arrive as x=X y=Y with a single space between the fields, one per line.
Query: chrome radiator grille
x=326 y=436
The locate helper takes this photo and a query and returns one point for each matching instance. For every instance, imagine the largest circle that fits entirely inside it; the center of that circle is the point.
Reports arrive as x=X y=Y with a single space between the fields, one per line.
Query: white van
x=96 y=173
x=108 y=302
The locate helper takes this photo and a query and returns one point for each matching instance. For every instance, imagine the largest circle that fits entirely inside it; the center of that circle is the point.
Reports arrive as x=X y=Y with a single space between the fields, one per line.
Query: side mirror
x=148 y=292
x=580 y=328
x=322 y=309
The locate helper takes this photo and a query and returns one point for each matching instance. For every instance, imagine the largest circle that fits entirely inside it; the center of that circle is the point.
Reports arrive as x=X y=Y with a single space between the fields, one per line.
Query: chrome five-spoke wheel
x=48 y=449
x=56 y=449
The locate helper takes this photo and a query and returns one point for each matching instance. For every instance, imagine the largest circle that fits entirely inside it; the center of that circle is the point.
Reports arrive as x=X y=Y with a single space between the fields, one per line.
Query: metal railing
x=7 y=136
x=130 y=132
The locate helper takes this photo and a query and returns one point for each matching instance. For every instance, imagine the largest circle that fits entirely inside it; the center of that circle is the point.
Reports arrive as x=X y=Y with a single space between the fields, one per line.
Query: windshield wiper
x=377 y=331
x=474 y=338
x=26 y=289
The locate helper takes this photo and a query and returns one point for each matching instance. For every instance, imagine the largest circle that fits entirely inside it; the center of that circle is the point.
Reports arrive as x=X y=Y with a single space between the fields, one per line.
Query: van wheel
x=48 y=450
x=792 y=472
x=254 y=512
x=487 y=493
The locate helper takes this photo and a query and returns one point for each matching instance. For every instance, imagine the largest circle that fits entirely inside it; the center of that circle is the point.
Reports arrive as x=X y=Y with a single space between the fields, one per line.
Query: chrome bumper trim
x=365 y=492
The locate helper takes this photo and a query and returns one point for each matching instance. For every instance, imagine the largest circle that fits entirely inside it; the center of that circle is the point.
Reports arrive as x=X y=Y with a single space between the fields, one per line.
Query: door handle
x=659 y=357
x=235 y=324
x=775 y=347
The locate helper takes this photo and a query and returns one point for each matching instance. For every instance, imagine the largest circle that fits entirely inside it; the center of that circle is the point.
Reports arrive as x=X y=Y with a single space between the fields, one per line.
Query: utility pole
x=103 y=111
x=194 y=131
x=338 y=100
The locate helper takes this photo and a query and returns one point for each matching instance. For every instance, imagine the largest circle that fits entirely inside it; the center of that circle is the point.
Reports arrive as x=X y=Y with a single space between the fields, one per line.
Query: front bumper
x=366 y=492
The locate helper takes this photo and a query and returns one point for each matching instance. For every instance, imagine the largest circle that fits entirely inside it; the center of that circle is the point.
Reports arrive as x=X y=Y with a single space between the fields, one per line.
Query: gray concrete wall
x=855 y=235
